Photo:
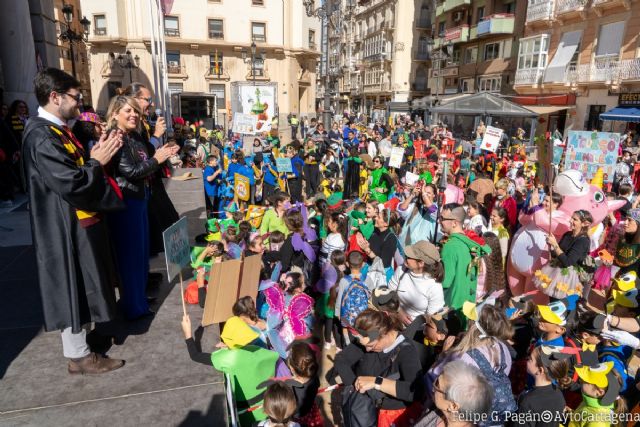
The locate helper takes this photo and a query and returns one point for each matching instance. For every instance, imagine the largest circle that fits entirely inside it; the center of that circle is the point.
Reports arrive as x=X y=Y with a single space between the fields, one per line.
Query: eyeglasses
x=148 y=99
x=77 y=97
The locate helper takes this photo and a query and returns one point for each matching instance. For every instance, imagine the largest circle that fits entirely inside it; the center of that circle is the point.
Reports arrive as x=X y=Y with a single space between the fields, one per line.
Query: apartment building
x=378 y=54
x=577 y=59
x=478 y=39
x=208 y=48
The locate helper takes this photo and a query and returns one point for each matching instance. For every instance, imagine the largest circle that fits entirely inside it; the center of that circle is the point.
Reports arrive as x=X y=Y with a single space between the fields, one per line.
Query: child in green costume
x=247 y=365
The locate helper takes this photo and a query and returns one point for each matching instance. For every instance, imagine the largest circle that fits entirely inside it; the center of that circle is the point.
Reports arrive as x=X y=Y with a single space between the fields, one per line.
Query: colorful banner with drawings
x=587 y=151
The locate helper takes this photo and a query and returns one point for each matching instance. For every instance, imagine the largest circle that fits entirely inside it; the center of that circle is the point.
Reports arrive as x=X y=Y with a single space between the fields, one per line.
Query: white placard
x=491 y=139
x=395 y=160
x=411 y=178
x=244 y=123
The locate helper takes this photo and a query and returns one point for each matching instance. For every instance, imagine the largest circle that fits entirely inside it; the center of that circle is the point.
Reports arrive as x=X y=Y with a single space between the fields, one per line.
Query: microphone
x=158 y=113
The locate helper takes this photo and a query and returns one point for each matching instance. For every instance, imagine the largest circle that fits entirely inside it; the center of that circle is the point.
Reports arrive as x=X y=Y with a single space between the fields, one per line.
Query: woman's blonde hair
x=116 y=104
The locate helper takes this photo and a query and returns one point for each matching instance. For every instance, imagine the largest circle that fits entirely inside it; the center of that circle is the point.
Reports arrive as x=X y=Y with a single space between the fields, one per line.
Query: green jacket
x=460 y=258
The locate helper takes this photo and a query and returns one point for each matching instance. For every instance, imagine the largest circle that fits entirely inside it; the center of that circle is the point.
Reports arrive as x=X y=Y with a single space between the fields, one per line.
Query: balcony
x=453 y=4
x=99 y=31
x=219 y=74
x=457 y=34
x=377 y=87
x=216 y=34
x=606 y=69
x=422 y=56
x=496 y=24
x=569 y=8
x=540 y=12
x=172 y=32
x=529 y=77
x=423 y=23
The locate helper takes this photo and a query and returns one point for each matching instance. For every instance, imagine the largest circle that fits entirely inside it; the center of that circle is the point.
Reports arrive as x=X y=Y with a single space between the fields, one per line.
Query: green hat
x=356 y=215
x=213 y=226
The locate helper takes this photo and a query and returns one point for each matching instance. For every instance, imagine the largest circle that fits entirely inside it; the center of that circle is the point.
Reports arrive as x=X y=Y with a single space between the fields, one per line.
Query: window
x=489 y=84
x=216 y=30
x=219 y=91
x=441 y=28
x=510 y=8
x=455 y=56
x=610 y=39
x=533 y=52
x=215 y=64
x=491 y=51
x=258 y=32
x=312 y=40
x=100 y=25
x=466 y=85
x=171 y=26
x=506 y=48
x=471 y=55
x=479 y=14
x=173 y=62
x=593 y=119
x=257 y=2
x=258 y=67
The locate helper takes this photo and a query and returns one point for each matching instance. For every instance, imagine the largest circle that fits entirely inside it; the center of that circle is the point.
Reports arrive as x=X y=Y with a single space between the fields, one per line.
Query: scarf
x=76 y=152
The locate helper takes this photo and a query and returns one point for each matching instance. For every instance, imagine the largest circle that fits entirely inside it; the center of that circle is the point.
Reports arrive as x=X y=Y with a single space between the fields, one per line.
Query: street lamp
x=71 y=36
x=259 y=59
x=129 y=62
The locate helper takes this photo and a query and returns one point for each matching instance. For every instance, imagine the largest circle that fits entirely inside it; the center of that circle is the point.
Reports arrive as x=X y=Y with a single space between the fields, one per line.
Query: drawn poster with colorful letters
x=587 y=151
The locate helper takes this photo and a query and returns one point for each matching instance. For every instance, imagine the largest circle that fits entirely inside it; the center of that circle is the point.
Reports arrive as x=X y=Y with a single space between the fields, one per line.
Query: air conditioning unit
x=457 y=16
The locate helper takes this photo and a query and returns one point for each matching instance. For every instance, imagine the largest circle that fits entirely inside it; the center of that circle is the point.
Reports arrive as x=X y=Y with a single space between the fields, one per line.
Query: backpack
x=355 y=300
x=503 y=400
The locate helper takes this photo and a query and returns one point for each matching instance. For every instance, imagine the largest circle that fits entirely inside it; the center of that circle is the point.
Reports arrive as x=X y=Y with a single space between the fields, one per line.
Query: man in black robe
x=68 y=197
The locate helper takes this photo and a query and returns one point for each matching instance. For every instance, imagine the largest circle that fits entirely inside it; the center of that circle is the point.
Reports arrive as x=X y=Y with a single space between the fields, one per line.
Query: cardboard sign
x=283 y=164
x=241 y=187
x=395 y=160
x=229 y=281
x=177 y=251
x=491 y=139
x=588 y=151
x=244 y=123
x=222 y=291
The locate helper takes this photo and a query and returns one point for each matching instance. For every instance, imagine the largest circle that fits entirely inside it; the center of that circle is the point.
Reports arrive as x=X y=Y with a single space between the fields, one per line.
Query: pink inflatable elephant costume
x=453 y=194
x=529 y=250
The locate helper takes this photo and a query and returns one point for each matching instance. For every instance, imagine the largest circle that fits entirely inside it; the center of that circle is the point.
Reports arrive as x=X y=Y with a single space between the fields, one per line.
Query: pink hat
x=89 y=117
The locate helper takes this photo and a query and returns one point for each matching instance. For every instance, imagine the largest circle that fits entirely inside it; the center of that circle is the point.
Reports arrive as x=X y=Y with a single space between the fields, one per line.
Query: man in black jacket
x=68 y=197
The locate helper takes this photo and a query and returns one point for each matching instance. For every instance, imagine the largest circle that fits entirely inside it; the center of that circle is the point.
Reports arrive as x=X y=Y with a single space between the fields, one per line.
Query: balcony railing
x=604 y=69
x=452 y=4
x=457 y=34
x=172 y=32
x=529 y=77
x=216 y=34
x=540 y=11
x=423 y=56
x=567 y=6
x=312 y=45
x=496 y=24
x=99 y=31
x=176 y=69
x=259 y=38
x=213 y=72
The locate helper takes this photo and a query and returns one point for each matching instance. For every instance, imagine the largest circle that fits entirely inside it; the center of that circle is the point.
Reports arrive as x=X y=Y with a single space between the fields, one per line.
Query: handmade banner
x=283 y=164
x=241 y=187
x=228 y=281
x=395 y=161
x=587 y=151
x=177 y=252
x=491 y=139
x=244 y=123
x=254 y=215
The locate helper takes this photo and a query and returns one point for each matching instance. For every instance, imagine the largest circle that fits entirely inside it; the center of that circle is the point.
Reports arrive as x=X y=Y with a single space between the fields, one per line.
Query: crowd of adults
x=406 y=272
